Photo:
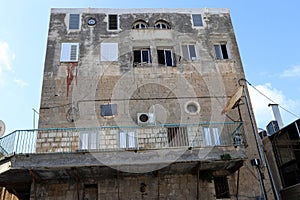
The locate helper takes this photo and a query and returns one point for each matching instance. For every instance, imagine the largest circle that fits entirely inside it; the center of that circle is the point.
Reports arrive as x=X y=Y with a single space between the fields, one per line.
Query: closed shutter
x=69 y=52
x=109 y=51
x=113 y=22
x=197 y=20
x=74 y=21
x=185 y=52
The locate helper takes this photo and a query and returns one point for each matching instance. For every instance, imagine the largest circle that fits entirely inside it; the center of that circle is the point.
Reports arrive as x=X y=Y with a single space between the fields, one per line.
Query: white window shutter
x=69 y=52
x=185 y=52
x=109 y=52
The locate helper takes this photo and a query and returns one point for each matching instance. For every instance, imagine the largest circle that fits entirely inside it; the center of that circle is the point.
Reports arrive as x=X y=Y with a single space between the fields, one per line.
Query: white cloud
x=21 y=83
x=292 y=72
x=6 y=58
x=262 y=112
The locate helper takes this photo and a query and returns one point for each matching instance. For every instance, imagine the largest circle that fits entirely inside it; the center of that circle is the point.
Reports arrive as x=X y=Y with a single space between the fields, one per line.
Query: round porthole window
x=192 y=107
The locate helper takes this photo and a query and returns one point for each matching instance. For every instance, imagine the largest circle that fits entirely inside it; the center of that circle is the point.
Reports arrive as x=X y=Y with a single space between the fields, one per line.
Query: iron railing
x=108 y=138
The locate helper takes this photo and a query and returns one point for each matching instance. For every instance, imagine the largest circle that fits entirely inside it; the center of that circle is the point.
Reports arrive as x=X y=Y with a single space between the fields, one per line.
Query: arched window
x=140 y=24
x=161 y=24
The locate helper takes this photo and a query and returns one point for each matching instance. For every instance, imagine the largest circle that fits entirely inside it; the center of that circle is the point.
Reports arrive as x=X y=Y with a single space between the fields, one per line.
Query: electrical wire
x=270 y=98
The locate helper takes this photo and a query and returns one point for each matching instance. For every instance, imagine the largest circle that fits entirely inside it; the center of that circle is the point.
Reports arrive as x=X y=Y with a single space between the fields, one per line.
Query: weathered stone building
x=131 y=108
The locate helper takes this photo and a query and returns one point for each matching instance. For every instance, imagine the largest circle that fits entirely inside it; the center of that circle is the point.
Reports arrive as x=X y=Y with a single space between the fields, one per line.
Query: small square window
x=112 y=22
x=221 y=51
x=108 y=110
x=197 y=20
x=74 y=21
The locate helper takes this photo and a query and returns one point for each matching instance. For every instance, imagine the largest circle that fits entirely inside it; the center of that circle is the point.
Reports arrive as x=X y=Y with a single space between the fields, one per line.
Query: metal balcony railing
x=117 y=138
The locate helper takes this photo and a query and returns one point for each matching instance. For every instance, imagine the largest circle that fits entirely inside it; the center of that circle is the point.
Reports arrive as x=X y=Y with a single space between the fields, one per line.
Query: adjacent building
x=282 y=152
x=139 y=104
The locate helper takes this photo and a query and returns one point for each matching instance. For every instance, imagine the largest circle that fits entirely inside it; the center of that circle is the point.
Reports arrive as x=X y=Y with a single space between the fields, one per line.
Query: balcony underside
x=18 y=171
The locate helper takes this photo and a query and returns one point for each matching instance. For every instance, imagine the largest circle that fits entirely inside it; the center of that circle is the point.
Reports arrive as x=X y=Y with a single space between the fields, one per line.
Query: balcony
x=116 y=138
x=63 y=154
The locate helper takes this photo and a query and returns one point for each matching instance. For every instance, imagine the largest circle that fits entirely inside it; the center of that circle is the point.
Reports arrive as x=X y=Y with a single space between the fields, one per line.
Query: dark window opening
x=112 y=22
x=165 y=57
x=177 y=136
x=90 y=192
x=141 y=56
x=74 y=21
x=221 y=187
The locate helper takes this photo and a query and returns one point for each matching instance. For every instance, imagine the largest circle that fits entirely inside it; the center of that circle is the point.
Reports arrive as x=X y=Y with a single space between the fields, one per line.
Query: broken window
x=221 y=51
x=197 y=20
x=165 y=57
x=69 y=52
x=211 y=136
x=109 y=51
x=141 y=56
x=112 y=22
x=221 y=187
x=74 y=20
x=189 y=52
x=162 y=25
x=177 y=136
x=140 y=25
x=127 y=140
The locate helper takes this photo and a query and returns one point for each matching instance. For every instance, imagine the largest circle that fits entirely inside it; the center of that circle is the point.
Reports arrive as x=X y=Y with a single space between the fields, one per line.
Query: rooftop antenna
x=2 y=128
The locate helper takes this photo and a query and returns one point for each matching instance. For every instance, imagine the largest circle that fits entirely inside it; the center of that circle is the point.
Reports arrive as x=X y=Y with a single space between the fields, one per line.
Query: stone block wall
x=180 y=186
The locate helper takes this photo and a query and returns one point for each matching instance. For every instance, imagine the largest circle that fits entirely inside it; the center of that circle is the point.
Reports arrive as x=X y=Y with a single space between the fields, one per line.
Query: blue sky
x=267 y=33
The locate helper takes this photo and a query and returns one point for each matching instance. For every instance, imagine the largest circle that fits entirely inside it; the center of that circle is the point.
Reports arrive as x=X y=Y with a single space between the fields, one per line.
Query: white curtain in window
x=207 y=137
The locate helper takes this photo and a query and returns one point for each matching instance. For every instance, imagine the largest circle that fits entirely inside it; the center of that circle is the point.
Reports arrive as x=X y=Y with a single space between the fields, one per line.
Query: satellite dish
x=2 y=128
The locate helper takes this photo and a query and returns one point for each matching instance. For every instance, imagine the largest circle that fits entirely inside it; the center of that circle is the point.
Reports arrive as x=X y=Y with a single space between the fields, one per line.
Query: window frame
x=161 y=23
x=165 y=58
x=189 y=52
x=141 y=50
x=66 y=52
x=219 y=51
x=108 y=22
x=140 y=22
x=69 y=22
x=193 y=20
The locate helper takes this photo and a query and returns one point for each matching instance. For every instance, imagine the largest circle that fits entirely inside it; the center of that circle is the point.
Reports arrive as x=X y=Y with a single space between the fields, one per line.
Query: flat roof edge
x=139 y=10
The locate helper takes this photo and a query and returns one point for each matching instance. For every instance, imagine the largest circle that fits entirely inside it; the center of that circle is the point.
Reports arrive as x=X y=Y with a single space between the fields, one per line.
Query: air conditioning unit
x=272 y=127
x=145 y=118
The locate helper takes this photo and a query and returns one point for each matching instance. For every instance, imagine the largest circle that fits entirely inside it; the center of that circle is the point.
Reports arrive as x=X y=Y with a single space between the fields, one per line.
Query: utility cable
x=270 y=98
